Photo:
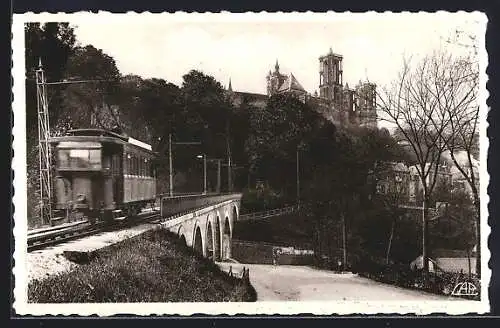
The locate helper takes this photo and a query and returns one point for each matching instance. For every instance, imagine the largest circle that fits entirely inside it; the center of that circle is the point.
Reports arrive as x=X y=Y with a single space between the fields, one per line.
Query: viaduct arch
x=209 y=231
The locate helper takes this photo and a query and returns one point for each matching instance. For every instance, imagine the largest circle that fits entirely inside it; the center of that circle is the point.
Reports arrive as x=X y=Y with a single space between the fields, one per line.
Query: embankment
x=153 y=267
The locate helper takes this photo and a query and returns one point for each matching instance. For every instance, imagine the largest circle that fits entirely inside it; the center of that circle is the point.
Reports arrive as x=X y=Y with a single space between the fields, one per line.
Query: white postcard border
x=21 y=305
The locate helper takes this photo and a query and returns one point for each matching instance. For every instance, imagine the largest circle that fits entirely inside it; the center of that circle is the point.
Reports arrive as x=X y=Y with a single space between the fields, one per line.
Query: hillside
x=154 y=267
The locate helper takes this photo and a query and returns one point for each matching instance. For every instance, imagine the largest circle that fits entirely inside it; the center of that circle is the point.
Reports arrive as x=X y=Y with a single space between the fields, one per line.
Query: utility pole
x=424 y=236
x=218 y=175
x=298 y=179
x=204 y=173
x=170 y=173
x=229 y=169
x=44 y=151
x=344 y=242
x=229 y=173
x=218 y=160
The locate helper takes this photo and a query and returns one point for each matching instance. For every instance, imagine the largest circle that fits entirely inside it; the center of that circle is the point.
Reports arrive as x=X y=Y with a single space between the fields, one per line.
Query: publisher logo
x=465 y=289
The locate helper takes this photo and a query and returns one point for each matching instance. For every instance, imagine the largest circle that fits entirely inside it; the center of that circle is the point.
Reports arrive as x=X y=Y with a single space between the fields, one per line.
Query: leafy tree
x=210 y=117
x=339 y=194
x=207 y=110
x=154 y=102
x=240 y=128
x=51 y=44
x=160 y=106
x=87 y=101
x=276 y=133
x=454 y=227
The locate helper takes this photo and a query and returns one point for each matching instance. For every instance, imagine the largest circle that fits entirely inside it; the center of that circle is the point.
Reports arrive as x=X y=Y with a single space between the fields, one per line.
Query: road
x=301 y=283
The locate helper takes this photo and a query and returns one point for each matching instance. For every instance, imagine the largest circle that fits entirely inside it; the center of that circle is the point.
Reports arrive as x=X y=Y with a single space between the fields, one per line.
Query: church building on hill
x=336 y=102
x=279 y=83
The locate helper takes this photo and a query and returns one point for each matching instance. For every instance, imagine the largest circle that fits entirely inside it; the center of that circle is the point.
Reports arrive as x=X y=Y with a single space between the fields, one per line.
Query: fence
x=270 y=213
x=179 y=205
x=266 y=253
x=244 y=275
x=432 y=212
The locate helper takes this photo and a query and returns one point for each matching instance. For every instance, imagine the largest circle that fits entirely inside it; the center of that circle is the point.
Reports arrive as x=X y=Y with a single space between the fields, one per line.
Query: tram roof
x=82 y=135
x=97 y=133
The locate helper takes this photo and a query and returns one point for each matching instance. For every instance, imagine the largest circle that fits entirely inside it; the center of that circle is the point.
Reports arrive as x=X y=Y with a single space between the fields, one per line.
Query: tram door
x=117 y=178
x=97 y=185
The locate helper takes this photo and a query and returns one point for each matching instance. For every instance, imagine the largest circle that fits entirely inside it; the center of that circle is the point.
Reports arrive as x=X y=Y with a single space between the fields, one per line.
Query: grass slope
x=154 y=267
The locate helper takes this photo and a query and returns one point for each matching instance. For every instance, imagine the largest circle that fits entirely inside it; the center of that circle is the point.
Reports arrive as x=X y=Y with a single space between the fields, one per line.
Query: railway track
x=55 y=235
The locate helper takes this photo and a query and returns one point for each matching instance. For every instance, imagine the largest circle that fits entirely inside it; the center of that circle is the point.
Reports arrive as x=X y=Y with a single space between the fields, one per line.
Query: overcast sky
x=245 y=49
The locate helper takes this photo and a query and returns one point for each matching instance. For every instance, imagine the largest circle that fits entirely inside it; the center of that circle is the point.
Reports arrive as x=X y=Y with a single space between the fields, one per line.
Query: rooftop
x=291 y=84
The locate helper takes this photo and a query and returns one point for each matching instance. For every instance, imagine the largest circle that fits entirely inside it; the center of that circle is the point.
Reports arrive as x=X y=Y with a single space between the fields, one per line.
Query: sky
x=245 y=48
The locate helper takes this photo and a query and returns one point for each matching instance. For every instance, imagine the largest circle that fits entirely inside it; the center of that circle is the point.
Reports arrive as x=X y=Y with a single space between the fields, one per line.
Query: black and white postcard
x=253 y=163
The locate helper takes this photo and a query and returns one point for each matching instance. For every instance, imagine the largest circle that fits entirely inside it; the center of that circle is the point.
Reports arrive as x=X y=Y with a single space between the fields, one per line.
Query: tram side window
x=116 y=164
x=140 y=162
x=134 y=170
x=144 y=163
x=134 y=165
x=127 y=164
x=150 y=168
x=131 y=162
x=137 y=165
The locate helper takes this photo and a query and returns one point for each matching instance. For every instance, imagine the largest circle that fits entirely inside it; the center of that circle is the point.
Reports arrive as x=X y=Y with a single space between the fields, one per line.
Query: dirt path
x=301 y=283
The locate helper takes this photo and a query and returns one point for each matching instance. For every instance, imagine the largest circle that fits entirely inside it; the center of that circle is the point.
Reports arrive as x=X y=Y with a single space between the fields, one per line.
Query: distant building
x=459 y=182
x=278 y=83
x=395 y=181
x=442 y=176
x=336 y=102
x=455 y=260
x=406 y=182
x=418 y=264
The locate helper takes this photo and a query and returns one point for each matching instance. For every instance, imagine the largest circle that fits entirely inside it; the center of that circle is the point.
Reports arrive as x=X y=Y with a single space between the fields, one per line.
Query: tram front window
x=79 y=159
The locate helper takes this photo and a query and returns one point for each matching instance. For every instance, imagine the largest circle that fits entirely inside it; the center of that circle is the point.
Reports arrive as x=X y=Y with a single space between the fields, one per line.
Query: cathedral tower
x=366 y=99
x=275 y=80
x=330 y=77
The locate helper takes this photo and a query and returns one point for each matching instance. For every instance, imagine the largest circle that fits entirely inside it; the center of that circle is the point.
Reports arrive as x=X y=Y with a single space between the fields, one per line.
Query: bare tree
x=434 y=108
x=411 y=106
x=464 y=125
x=456 y=91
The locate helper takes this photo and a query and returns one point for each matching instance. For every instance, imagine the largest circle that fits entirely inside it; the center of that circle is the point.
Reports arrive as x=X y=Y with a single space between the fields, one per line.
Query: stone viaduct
x=205 y=223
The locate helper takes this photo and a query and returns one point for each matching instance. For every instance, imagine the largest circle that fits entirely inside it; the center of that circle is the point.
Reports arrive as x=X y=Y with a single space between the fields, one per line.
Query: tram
x=102 y=174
